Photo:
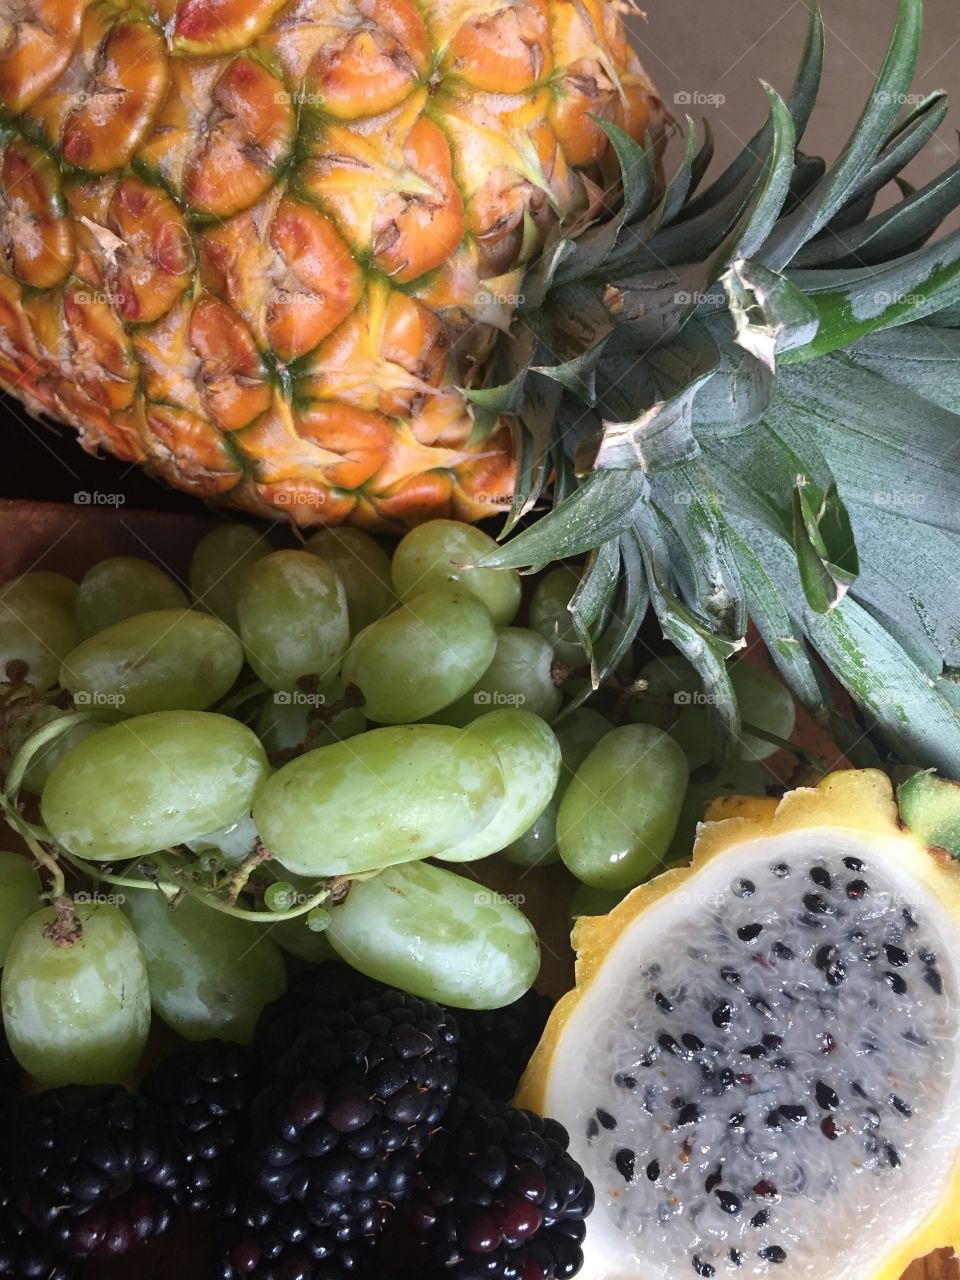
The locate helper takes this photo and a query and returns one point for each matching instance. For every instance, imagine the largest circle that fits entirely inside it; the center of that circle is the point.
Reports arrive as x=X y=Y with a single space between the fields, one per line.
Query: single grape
x=519 y=676
x=298 y=939
x=577 y=734
x=210 y=973
x=121 y=587
x=170 y=660
x=550 y=615
x=620 y=811
x=363 y=567
x=438 y=553
x=438 y=935
x=421 y=657
x=37 y=627
x=287 y=716
x=588 y=901
x=529 y=756
x=19 y=896
x=676 y=703
x=151 y=782
x=764 y=702
x=292 y=612
x=230 y=844
x=220 y=562
x=80 y=1013
x=279 y=896
x=386 y=796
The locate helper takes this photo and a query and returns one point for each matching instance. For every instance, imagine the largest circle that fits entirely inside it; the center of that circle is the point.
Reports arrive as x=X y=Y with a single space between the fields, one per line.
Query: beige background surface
x=724 y=47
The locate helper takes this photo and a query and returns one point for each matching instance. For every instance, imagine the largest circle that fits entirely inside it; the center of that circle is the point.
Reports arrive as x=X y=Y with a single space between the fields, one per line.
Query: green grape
x=436 y=554
x=748 y=779
x=577 y=734
x=387 y=796
x=220 y=562
x=421 y=657
x=151 y=782
x=229 y=844
x=279 y=896
x=550 y=615
x=764 y=702
x=620 y=811
x=210 y=973
x=169 y=660
x=683 y=713
x=438 y=935
x=122 y=587
x=37 y=627
x=518 y=676
x=292 y=612
x=285 y=719
x=363 y=567
x=19 y=896
x=588 y=901
x=530 y=759
x=76 y=1014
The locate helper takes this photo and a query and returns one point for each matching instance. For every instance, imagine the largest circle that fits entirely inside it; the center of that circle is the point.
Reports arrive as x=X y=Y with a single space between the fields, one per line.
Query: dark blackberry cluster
x=496 y=1044
x=338 y=1131
x=205 y=1089
x=24 y=1255
x=498 y=1197
x=322 y=989
x=94 y=1169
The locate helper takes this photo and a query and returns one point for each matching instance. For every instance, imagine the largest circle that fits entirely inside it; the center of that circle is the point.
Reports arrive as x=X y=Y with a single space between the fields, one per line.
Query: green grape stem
x=218 y=904
x=65 y=930
x=238 y=878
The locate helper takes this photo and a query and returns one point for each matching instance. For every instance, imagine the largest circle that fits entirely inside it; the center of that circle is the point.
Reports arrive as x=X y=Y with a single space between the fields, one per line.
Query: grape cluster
x=292 y=751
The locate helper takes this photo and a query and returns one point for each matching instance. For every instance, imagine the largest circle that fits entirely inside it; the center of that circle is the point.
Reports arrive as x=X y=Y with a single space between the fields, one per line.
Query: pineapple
x=359 y=260
x=261 y=246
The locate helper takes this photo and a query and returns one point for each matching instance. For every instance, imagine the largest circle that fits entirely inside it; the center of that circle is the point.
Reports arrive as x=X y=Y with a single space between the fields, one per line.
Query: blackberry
x=496 y=1044
x=259 y=1240
x=205 y=1090
x=338 y=1131
x=94 y=1169
x=312 y=994
x=24 y=1255
x=498 y=1196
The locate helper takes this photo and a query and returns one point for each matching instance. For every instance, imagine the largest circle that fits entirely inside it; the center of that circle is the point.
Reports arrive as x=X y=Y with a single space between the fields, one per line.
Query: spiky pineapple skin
x=260 y=247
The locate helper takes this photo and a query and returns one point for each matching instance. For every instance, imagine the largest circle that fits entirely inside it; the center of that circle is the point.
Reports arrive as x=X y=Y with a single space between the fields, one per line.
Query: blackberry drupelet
x=255 y=1239
x=497 y=1196
x=24 y=1255
x=94 y=1168
x=496 y=1044
x=317 y=991
x=356 y=1097
x=205 y=1090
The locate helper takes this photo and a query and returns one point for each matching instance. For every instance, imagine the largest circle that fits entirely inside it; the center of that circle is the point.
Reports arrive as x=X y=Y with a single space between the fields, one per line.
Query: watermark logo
x=485 y=298
x=94 y=498
x=904 y=501
x=94 y=698
x=494 y=499
x=694 y=98
x=299 y=698
x=489 y=898
x=898 y=299
x=99 y=898
x=298 y=98
x=497 y=698
x=291 y=498
x=684 y=297
x=900 y=99
x=694 y=698
x=85 y=297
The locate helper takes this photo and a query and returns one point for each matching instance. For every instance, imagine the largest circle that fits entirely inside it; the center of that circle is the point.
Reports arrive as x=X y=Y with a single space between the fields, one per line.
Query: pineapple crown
x=747 y=398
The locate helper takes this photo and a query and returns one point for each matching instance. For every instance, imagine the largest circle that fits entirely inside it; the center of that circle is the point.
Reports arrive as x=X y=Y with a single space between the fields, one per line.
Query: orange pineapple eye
x=220 y=26
x=17 y=341
x=361 y=439
x=116 y=106
x=184 y=447
x=155 y=260
x=102 y=357
x=583 y=92
x=503 y=52
x=231 y=375
x=373 y=68
x=325 y=282
x=37 y=238
x=415 y=339
x=426 y=496
x=250 y=139
x=35 y=47
x=413 y=234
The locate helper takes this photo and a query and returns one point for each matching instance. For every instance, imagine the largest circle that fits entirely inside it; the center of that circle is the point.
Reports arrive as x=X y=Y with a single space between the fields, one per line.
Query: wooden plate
x=71 y=539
